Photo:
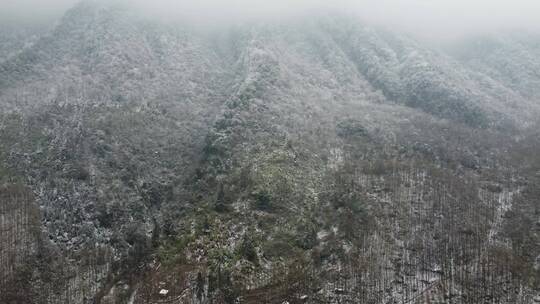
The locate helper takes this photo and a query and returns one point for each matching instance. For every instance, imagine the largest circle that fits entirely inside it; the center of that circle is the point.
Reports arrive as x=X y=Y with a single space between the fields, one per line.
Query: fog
x=28 y=11
x=431 y=19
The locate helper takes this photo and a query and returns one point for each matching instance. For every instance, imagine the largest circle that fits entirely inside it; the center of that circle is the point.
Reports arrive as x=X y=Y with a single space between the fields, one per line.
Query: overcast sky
x=428 y=18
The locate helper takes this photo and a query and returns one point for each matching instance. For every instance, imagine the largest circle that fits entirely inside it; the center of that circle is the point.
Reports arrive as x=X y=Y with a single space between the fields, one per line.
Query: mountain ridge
x=317 y=161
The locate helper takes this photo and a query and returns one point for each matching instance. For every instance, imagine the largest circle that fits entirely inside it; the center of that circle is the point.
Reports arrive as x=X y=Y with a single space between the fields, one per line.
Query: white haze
x=431 y=19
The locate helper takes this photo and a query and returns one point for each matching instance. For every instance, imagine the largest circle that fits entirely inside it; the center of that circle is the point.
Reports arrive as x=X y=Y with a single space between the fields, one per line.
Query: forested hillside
x=305 y=160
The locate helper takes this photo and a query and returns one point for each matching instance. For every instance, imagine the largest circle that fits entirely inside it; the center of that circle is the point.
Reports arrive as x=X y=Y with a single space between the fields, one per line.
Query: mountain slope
x=510 y=58
x=316 y=161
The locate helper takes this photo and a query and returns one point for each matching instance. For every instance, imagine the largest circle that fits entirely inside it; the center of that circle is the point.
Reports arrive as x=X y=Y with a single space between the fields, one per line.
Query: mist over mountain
x=235 y=152
x=436 y=20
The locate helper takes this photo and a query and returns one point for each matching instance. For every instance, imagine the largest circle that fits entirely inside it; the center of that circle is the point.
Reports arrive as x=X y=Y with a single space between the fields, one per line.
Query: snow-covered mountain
x=312 y=159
